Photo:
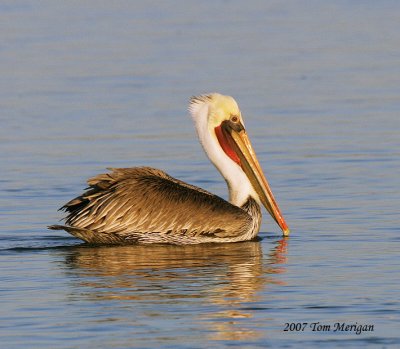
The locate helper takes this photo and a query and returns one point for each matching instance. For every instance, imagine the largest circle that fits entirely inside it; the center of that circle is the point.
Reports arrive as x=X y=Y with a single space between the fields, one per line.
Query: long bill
x=239 y=141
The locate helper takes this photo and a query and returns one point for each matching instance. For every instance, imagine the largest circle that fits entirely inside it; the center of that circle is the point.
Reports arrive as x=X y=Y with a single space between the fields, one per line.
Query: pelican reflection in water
x=223 y=282
x=146 y=205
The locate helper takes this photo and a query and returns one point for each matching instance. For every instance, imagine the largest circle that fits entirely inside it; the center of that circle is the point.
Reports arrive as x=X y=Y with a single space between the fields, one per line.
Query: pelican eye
x=234 y=118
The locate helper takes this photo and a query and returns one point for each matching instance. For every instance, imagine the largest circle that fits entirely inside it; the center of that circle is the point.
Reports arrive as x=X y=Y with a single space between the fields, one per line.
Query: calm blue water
x=94 y=84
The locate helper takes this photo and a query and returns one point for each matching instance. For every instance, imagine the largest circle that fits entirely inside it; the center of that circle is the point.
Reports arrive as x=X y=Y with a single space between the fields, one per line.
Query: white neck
x=239 y=185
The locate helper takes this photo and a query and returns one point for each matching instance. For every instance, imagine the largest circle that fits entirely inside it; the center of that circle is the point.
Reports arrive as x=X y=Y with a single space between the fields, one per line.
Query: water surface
x=90 y=85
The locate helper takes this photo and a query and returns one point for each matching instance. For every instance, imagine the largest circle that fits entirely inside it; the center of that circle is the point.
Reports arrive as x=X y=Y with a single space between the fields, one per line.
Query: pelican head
x=221 y=131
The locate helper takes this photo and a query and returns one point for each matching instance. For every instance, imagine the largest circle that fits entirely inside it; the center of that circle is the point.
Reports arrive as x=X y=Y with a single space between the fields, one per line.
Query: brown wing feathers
x=147 y=205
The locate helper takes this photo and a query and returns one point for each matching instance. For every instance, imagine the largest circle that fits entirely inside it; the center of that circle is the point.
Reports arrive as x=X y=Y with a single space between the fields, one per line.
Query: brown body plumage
x=145 y=205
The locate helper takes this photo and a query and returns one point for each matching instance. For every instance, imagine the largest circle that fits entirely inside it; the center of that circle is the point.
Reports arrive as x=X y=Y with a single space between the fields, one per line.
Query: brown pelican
x=146 y=205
